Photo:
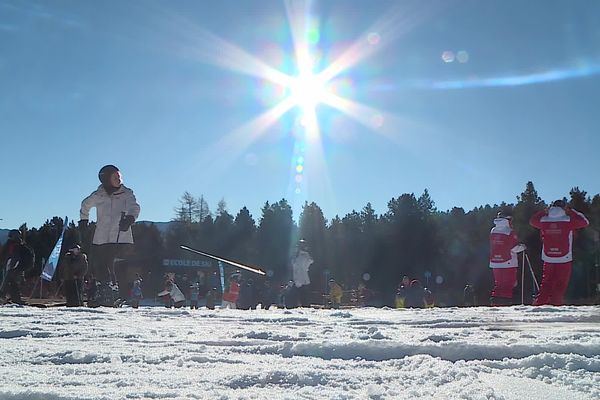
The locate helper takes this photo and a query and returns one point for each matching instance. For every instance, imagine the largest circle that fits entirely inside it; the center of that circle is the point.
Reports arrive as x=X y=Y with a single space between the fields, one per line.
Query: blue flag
x=52 y=262
x=222 y=273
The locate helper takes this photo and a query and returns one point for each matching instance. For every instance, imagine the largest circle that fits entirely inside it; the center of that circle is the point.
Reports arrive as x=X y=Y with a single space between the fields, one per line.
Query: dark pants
x=303 y=296
x=73 y=289
x=12 y=285
x=106 y=267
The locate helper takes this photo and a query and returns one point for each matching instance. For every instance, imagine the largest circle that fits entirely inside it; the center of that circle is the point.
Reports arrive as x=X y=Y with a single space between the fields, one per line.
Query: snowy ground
x=475 y=353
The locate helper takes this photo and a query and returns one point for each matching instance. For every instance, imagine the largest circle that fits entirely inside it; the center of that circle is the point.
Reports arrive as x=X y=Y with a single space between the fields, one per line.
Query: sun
x=307 y=91
x=310 y=88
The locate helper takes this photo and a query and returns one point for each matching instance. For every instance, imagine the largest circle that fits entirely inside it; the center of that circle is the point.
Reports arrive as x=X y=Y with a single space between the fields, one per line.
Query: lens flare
x=305 y=79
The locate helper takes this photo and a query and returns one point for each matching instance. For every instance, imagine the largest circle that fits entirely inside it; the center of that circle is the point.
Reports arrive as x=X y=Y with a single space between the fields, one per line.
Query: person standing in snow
x=556 y=225
x=136 y=292
x=415 y=295
x=172 y=295
x=72 y=269
x=231 y=293
x=300 y=266
x=504 y=246
x=194 y=295
x=268 y=297
x=116 y=210
x=15 y=258
x=469 y=296
x=211 y=294
x=335 y=294
x=289 y=298
x=248 y=299
x=401 y=291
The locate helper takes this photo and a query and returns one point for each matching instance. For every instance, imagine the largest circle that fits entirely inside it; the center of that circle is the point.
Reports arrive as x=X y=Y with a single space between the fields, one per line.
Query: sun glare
x=314 y=82
x=307 y=92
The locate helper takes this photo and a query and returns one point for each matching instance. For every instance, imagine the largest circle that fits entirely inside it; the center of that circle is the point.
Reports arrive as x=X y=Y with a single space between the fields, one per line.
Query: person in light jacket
x=116 y=210
x=300 y=267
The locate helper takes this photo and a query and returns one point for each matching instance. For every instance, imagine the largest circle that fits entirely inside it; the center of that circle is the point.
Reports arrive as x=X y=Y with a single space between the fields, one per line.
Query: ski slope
x=508 y=353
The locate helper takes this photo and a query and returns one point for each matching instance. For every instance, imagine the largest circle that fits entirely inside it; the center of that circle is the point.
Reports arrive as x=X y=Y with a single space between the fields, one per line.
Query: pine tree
x=188 y=209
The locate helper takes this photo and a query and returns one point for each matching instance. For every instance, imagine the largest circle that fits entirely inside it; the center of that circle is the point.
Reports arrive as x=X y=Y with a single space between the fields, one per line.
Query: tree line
x=445 y=250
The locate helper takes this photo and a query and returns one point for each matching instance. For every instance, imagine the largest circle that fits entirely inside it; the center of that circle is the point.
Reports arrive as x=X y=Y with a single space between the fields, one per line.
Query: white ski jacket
x=108 y=210
x=300 y=266
x=176 y=294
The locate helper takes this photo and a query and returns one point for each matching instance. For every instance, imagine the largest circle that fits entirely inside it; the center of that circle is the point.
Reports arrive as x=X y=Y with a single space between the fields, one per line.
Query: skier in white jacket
x=300 y=266
x=116 y=210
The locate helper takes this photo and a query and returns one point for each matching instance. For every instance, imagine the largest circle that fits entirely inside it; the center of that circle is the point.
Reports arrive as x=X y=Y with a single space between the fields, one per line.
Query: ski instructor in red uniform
x=556 y=225
x=504 y=246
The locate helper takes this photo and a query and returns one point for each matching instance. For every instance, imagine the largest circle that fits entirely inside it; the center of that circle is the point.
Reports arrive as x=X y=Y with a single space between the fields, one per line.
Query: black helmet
x=14 y=234
x=504 y=214
x=559 y=203
x=105 y=173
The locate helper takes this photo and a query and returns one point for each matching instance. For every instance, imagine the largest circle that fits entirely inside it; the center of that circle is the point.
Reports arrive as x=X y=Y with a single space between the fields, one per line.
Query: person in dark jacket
x=247 y=299
x=136 y=292
x=401 y=292
x=194 y=295
x=73 y=268
x=415 y=295
x=13 y=263
x=469 y=296
x=289 y=298
x=268 y=296
x=210 y=298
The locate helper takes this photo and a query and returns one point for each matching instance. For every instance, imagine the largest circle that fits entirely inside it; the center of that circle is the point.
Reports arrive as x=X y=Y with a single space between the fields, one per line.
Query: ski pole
x=523 y=280
x=77 y=293
x=112 y=272
x=537 y=286
x=235 y=264
x=119 y=231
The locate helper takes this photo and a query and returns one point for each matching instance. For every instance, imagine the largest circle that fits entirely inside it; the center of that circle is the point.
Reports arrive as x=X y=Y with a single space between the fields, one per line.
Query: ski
x=235 y=264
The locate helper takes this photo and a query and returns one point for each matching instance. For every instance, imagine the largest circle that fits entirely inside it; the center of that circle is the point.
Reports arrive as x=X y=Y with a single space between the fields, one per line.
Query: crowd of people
x=240 y=292
x=103 y=282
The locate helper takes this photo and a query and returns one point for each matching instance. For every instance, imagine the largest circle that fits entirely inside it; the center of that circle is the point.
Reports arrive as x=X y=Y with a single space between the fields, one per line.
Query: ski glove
x=126 y=222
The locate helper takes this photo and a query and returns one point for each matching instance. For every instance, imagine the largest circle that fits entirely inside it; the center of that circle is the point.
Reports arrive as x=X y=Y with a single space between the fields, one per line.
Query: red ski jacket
x=504 y=245
x=556 y=226
x=233 y=293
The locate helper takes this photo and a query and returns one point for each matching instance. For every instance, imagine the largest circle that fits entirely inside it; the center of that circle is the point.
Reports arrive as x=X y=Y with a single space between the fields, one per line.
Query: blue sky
x=469 y=99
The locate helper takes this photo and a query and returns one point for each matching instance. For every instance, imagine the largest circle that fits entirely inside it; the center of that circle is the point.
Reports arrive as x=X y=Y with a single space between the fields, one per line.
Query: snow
x=156 y=353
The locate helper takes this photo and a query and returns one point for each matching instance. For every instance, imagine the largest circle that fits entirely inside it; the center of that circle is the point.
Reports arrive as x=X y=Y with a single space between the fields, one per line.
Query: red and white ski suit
x=230 y=296
x=556 y=226
x=504 y=246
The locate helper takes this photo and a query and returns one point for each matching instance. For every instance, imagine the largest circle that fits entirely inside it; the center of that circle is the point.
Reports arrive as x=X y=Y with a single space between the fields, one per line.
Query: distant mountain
x=3 y=235
x=162 y=227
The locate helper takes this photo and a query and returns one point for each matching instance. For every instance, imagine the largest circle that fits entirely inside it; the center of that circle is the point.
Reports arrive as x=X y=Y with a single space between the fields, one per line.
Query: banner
x=52 y=262
x=222 y=273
